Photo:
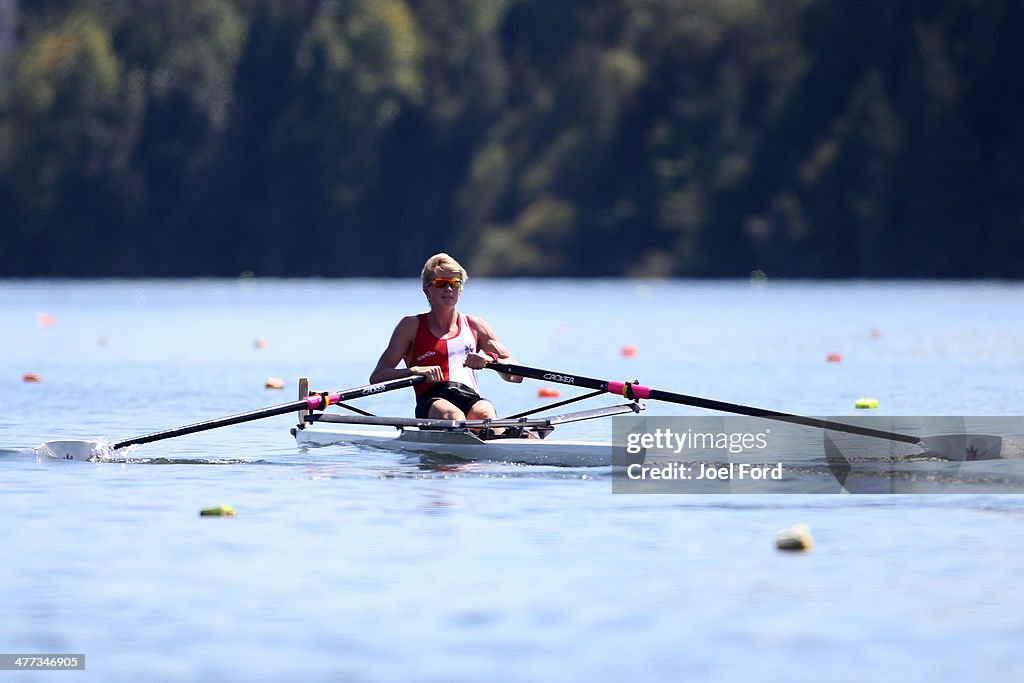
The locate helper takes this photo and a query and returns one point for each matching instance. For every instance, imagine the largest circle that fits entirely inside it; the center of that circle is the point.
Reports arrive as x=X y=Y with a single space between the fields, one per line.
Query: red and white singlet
x=449 y=353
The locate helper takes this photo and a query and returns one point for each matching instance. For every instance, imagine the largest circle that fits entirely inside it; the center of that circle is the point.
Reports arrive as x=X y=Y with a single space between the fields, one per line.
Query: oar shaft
x=212 y=424
x=711 y=404
x=311 y=402
x=636 y=391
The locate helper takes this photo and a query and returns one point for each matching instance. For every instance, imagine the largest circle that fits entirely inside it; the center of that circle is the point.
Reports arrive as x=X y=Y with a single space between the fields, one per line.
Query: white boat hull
x=461 y=445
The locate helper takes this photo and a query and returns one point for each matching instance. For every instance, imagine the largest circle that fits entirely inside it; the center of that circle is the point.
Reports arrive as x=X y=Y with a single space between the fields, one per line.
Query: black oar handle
x=549 y=376
x=317 y=401
x=636 y=391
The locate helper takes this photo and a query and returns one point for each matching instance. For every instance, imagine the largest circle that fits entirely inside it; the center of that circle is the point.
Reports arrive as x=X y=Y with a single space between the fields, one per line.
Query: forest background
x=569 y=138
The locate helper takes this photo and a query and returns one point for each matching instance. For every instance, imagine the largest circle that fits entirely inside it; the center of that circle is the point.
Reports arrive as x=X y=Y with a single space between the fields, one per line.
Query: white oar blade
x=847 y=448
x=963 y=447
x=72 y=450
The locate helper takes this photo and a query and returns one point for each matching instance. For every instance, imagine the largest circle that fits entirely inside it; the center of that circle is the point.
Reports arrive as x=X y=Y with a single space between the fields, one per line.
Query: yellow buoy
x=866 y=403
x=218 y=511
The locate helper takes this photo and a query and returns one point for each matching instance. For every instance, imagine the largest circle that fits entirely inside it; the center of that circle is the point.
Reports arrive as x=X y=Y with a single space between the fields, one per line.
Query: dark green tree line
x=806 y=138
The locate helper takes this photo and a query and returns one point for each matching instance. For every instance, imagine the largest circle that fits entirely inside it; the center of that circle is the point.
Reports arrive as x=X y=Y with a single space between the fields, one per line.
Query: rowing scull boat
x=457 y=438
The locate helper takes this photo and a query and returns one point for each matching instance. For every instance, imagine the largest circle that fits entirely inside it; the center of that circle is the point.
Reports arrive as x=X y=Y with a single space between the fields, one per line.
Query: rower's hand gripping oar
x=632 y=390
x=83 y=450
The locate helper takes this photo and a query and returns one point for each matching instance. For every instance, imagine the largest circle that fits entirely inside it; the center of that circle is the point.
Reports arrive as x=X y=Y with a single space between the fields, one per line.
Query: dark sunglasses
x=442 y=282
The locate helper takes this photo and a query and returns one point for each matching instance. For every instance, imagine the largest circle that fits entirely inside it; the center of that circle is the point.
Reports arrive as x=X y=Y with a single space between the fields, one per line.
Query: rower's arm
x=398 y=350
x=492 y=349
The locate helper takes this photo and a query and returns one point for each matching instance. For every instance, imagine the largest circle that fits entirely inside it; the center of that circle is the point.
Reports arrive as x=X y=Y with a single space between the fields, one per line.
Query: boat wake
x=101 y=452
x=920 y=476
x=188 y=461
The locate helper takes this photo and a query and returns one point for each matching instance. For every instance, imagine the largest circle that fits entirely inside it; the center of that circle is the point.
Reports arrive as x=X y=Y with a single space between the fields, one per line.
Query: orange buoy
x=31 y=377
x=834 y=358
x=274 y=383
x=628 y=351
x=548 y=392
x=47 y=320
x=260 y=343
x=875 y=333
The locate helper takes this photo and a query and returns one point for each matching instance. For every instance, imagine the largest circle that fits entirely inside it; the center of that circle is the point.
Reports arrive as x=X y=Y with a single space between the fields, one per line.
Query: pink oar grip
x=619 y=388
x=314 y=401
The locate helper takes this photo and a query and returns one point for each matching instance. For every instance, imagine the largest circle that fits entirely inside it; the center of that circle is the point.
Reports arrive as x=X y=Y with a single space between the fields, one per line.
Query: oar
x=633 y=390
x=84 y=450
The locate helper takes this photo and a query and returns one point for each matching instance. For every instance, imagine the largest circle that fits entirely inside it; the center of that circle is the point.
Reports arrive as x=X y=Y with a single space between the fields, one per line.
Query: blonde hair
x=438 y=262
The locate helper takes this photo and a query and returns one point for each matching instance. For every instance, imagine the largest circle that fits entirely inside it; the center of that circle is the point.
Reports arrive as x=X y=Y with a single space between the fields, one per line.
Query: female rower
x=446 y=347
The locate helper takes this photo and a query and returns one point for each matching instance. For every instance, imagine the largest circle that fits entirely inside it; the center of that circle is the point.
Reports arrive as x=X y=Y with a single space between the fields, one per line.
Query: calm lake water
x=369 y=566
